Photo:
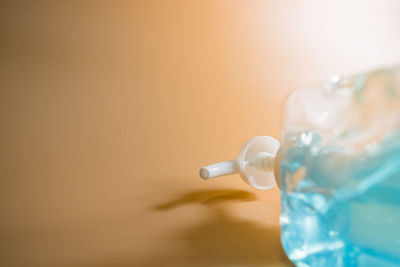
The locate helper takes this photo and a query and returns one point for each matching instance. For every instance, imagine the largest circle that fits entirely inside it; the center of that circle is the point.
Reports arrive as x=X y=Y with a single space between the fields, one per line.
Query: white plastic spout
x=263 y=161
x=220 y=169
x=255 y=163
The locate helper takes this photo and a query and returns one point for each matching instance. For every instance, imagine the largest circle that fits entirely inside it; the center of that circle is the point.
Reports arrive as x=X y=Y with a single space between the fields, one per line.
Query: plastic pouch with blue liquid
x=338 y=168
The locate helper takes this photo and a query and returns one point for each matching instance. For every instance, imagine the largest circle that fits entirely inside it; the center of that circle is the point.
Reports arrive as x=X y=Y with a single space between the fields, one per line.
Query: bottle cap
x=255 y=163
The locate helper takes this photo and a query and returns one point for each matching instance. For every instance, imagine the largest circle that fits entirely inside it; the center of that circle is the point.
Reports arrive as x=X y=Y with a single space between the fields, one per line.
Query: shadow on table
x=222 y=239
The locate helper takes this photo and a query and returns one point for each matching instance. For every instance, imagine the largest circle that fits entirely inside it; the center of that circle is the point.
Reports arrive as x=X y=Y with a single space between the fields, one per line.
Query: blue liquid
x=339 y=209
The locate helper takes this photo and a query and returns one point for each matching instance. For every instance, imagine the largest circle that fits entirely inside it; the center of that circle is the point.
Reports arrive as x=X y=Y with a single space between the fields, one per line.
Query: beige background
x=109 y=108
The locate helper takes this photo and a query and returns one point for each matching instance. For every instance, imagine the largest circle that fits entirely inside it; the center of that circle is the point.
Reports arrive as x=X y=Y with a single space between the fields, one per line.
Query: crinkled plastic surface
x=340 y=166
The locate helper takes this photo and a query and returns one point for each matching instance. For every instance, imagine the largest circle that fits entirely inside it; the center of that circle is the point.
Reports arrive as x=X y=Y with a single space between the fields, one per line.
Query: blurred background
x=109 y=108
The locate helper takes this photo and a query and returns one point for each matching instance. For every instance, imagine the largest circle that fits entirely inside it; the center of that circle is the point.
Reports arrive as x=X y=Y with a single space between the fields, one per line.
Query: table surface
x=109 y=108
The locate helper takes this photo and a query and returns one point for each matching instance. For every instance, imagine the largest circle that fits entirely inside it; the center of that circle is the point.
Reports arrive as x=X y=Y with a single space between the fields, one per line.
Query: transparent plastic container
x=338 y=167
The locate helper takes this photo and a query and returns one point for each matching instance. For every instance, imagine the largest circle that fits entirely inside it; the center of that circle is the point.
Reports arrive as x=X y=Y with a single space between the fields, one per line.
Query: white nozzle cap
x=255 y=163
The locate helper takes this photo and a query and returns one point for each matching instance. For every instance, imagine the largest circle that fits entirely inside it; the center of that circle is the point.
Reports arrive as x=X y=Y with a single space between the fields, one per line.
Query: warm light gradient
x=109 y=108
